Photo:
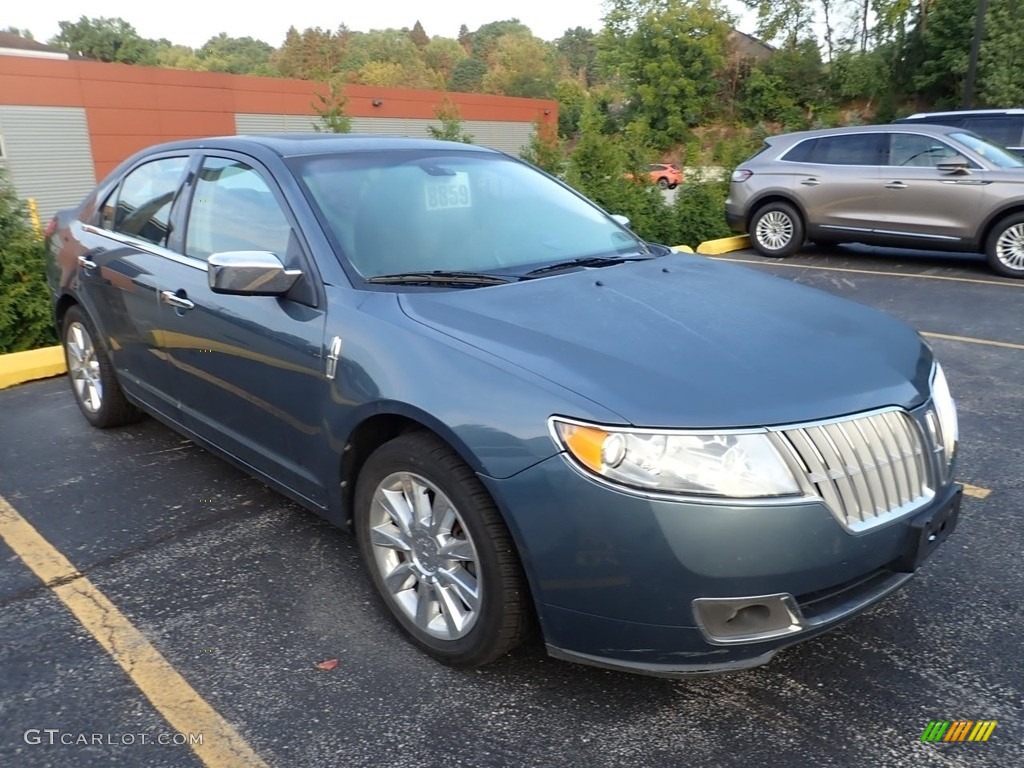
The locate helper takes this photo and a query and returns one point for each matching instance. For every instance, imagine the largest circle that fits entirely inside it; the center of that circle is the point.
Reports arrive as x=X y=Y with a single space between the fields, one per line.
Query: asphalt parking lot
x=243 y=593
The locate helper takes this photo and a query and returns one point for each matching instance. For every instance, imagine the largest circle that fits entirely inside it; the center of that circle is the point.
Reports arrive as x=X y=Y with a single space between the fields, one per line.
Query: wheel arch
x=994 y=219
x=769 y=197
x=371 y=430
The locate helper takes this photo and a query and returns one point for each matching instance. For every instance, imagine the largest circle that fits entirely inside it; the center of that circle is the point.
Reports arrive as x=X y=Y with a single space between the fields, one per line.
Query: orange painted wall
x=128 y=108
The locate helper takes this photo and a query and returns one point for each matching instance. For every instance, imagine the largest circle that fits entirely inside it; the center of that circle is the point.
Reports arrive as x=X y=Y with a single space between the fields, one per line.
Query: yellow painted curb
x=19 y=367
x=682 y=249
x=724 y=245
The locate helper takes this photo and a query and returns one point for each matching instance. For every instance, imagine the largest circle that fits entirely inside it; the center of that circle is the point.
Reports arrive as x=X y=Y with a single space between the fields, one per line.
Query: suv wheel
x=1005 y=247
x=662 y=183
x=777 y=230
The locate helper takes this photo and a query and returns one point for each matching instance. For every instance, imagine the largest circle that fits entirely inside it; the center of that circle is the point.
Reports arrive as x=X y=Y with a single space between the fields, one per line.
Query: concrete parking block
x=19 y=367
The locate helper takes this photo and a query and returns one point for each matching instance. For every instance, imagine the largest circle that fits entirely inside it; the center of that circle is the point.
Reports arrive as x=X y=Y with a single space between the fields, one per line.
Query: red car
x=665 y=175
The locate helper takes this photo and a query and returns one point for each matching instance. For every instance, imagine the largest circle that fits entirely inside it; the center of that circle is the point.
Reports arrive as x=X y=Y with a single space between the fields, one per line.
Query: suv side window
x=1005 y=129
x=847 y=149
x=143 y=207
x=233 y=209
x=917 y=151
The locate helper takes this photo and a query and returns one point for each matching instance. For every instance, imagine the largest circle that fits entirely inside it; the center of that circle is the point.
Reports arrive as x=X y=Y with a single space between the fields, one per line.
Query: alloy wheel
x=1010 y=247
x=774 y=230
x=425 y=556
x=84 y=367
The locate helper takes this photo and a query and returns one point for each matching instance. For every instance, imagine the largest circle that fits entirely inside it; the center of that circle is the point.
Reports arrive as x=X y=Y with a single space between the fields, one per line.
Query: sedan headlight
x=741 y=466
x=945 y=410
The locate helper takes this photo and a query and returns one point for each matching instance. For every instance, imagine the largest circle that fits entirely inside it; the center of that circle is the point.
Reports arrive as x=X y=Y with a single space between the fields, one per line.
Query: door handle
x=895 y=185
x=85 y=263
x=180 y=302
x=811 y=182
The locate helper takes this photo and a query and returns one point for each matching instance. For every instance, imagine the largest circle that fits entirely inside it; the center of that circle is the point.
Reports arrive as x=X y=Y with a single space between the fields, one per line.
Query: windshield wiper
x=441 y=277
x=586 y=261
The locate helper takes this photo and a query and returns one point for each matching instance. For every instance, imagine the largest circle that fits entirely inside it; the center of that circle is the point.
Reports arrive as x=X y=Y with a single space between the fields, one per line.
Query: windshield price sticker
x=447 y=192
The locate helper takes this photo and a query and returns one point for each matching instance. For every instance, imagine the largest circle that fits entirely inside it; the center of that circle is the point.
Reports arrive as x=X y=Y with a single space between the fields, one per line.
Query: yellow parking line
x=766 y=263
x=975 y=492
x=166 y=689
x=969 y=340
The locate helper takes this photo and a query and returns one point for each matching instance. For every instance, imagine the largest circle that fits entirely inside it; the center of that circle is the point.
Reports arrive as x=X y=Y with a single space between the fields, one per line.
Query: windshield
x=995 y=154
x=420 y=211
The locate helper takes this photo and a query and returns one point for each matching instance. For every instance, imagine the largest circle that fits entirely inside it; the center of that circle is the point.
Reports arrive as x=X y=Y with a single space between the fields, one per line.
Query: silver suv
x=909 y=186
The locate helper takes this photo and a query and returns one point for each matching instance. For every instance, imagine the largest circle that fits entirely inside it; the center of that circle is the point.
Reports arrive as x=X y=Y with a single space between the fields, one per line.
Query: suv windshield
x=995 y=154
x=425 y=211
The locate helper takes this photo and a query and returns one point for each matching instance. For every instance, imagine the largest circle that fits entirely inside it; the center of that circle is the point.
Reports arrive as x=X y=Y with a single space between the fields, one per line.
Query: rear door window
x=845 y=149
x=143 y=207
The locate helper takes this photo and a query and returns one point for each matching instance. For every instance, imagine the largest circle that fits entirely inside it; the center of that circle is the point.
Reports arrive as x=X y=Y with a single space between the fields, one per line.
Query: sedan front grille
x=868 y=469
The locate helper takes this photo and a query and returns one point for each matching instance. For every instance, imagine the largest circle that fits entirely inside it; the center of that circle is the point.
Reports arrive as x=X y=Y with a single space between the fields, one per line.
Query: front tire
x=1005 y=247
x=438 y=552
x=776 y=230
x=91 y=374
x=662 y=183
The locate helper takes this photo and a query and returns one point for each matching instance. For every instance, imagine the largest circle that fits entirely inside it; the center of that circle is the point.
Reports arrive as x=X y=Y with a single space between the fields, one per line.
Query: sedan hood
x=683 y=341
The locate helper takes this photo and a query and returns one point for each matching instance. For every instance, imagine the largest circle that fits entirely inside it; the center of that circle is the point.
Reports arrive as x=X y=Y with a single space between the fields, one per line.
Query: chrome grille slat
x=867 y=469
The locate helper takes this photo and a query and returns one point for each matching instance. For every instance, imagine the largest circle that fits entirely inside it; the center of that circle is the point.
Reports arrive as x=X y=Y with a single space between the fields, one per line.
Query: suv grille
x=868 y=469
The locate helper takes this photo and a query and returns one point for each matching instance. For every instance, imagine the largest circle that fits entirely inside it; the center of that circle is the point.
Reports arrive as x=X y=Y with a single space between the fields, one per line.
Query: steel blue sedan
x=530 y=417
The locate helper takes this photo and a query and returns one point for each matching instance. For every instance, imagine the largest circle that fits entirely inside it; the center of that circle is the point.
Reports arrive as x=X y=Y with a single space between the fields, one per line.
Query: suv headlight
x=740 y=465
x=945 y=410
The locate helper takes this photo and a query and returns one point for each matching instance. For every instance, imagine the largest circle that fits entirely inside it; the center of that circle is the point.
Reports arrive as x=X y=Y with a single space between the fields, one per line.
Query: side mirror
x=250 y=273
x=622 y=220
x=955 y=164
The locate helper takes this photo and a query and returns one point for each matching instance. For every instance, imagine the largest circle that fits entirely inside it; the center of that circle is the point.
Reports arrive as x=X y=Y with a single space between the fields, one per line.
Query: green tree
x=465 y=38
x=1002 y=56
x=27 y=34
x=26 y=316
x=579 y=48
x=666 y=55
x=545 y=150
x=441 y=55
x=330 y=105
x=239 y=55
x=313 y=54
x=176 y=56
x=487 y=36
x=521 y=65
x=598 y=167
x=571 y=97
x=451 y=124
x=419 y=36
x=103 y=39
x=467 y=75
x=386 y=57
x=938 y=52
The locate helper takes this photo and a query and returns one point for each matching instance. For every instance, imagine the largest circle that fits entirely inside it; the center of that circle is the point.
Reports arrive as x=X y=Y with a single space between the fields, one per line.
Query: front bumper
x=615 y=575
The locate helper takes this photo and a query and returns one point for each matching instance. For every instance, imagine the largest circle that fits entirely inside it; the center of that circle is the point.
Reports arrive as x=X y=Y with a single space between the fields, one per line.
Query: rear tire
x=438 y=552
x=1005 y=247
x=91 y=374
x=776 y=230
x=662 y=183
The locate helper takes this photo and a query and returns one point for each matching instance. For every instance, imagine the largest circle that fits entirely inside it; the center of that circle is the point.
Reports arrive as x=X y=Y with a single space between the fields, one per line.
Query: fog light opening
x=750 y=618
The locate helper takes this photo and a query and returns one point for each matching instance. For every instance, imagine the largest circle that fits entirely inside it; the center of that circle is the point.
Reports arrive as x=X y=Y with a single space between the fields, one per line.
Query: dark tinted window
x=847 y=149
x=233 y=209
x=1005 y=130
x=144 y=201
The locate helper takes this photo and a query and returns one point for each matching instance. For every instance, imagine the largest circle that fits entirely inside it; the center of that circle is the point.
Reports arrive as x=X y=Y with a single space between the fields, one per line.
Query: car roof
x=957 y=112
x=923 y=128
x=295 y=144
